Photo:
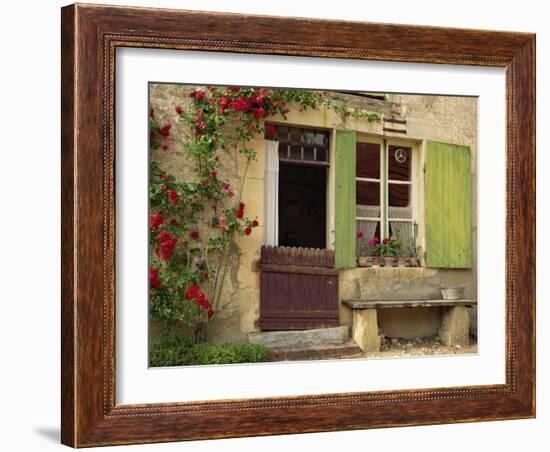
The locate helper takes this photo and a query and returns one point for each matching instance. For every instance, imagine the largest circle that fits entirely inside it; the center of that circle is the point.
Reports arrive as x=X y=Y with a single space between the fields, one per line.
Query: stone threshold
x=328 y=351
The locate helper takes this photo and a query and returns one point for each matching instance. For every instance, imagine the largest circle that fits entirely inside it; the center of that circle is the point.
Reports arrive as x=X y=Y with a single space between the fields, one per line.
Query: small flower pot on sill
x=376 y=261
x=402 y=261
x=363 y=261
x=388 y=262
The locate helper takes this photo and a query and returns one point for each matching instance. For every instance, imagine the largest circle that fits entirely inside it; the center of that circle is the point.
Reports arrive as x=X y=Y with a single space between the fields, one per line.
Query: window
x=385 y=194
x=299 y=145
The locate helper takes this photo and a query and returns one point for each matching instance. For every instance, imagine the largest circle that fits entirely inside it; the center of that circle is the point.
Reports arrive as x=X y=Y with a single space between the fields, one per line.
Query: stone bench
x=454 y=328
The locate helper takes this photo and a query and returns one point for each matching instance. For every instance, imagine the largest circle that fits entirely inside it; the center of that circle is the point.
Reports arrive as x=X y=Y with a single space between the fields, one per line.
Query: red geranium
x=153 y=278
x=156 y=220
x=386 y=241
x=172 y=196
x=360 y=234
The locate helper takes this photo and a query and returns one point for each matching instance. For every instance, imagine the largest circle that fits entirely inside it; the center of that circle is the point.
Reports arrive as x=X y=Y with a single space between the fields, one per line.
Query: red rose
x=192 y=292
x=167 y=243
x=255 y=223
x=174 y=222
x=251 y=127
x=258 y=113
x=205 y=275
x=163 y=177
x=199 y=94
x=234 y=89
x=210 y=313
x=214 y=174
x=162 y=187
x=248 y=230
x=165 y=130
x=172 y=196
x=217 y=158
x=152 y=112
x=195 y=235
x=156 y=220
x=165 y=147
x=226 y=186
x=271 y=131
x=163 y=236
x=229 y=194
x=153 y=278
x=360 y=235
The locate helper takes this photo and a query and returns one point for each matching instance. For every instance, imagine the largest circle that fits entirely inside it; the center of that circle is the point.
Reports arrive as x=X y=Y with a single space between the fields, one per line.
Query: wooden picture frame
x=90 y=36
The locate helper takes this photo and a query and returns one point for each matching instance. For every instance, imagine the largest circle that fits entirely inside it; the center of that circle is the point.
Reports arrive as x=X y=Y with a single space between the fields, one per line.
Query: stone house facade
x=377 y=178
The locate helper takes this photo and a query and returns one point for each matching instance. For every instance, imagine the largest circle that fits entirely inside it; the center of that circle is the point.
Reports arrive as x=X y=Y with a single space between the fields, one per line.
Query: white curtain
x=271 y=190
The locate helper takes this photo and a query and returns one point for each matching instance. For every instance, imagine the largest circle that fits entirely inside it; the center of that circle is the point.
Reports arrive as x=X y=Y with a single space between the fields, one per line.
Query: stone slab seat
x=454 y=328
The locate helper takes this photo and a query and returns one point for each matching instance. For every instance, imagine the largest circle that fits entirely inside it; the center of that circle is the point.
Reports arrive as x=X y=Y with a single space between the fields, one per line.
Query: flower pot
x=452 y=293
x=388 y=262
x=402 y=261
x=376 y=261
x=363 y=261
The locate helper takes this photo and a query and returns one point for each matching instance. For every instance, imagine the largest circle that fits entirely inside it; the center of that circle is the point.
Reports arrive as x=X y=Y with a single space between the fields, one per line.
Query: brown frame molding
x=90 y=36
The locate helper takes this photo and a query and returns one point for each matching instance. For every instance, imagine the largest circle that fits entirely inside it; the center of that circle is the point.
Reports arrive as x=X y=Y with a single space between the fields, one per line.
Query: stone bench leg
x=365 y=330
x=455 y=326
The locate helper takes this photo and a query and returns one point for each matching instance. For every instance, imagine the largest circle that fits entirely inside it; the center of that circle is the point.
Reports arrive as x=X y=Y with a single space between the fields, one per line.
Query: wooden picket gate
x=298 y=288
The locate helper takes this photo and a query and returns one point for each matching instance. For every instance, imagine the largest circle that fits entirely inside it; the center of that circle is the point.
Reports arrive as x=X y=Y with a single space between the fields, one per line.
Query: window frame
x=384 y=181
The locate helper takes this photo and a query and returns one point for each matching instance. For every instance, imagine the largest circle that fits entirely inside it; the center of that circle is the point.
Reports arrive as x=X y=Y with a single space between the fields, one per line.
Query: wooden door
x=298 y=288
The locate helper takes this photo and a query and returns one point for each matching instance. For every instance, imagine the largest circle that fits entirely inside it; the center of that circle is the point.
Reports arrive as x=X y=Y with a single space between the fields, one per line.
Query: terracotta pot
x=401 y=261
x=363 y=261
x=376 y=261
x=388 y=262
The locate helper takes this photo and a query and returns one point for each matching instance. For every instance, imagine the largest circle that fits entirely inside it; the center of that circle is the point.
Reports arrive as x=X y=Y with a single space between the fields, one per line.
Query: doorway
x=302 y=206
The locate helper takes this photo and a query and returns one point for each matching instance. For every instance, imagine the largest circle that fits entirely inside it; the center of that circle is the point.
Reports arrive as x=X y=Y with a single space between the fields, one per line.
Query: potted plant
x=387 y=249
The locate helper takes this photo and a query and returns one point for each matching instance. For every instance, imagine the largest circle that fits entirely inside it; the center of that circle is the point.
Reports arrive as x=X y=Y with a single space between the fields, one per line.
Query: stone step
x=303 y=338
x=347 y=350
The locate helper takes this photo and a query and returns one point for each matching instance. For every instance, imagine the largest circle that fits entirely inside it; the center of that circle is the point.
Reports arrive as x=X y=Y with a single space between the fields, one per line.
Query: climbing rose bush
x=193 y=223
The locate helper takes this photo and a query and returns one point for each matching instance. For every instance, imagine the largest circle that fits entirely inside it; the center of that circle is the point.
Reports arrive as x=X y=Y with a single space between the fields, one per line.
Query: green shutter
x=345 y=199
x=448 y=206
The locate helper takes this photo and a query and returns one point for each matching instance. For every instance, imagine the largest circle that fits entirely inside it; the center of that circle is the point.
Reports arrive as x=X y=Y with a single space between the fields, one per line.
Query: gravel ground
x=419 y=347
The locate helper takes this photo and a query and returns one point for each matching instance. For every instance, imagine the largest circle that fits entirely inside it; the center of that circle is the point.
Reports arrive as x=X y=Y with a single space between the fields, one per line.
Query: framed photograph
x=281 y=225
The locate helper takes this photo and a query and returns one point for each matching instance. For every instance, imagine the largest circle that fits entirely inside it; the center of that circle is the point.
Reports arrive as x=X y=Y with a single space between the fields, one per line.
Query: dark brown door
x=298 y=289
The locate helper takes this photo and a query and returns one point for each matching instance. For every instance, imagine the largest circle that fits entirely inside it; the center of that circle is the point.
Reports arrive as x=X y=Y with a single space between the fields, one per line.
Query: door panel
x=298 y=289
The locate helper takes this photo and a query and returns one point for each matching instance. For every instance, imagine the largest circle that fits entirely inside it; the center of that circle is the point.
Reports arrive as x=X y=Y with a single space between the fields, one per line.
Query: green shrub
x=202 y=354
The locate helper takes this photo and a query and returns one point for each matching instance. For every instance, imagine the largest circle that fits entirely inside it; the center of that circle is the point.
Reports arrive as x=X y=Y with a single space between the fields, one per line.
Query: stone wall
x=447 y=119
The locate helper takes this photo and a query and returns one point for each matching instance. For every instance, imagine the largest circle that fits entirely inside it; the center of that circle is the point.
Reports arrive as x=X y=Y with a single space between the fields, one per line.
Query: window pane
x=368 y=193
x=403 y=231
x=283 y=150
x=399 y=163
x=399 y=195
x=368 y=229
x=308 y=153
x=296 y=152
x=321 y=155
x=282 y=133
x=368 y=160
